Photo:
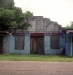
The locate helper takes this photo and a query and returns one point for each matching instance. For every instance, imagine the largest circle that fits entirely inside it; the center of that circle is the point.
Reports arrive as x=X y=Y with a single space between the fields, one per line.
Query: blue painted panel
x=67 y=45
x=48 y=49
x=27 y=44
x=72 y=48
x=47 y=44
x=47 y=40
x=26 y=49
x=6 y=44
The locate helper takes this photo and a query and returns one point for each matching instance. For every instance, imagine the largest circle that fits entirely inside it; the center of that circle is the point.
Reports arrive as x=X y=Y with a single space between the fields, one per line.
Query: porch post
x=71 y=45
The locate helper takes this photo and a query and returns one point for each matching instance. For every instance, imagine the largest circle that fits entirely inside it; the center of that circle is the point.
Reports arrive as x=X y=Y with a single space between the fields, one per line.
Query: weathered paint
x=47 y=44
x=26 y=49
x=48 y=49
x=9 y=45
x=37 y=45
x=40 y=24
x=69 y=45
x=6 y=44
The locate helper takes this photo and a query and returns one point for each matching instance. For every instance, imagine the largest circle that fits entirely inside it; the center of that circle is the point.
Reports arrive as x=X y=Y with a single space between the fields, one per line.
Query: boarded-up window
x=71 y=38
x=19 y=42
x=55 y=42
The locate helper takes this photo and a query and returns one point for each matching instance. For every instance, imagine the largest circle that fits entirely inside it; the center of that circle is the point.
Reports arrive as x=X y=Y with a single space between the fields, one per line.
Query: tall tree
x=70 y=26
x=23 y=20
x=12 y=16
x=7 y=4
x=6 y=19
x=28 y=14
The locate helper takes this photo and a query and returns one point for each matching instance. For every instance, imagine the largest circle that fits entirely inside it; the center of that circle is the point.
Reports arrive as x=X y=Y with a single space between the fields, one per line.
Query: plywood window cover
x=19 y=42
x=54 y=41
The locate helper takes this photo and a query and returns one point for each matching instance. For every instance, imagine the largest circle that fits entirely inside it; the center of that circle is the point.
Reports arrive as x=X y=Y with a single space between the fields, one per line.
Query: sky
x=60 y=11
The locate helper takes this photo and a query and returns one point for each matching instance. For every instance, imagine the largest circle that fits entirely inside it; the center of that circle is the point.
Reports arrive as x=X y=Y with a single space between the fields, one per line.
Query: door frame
x=36 y=36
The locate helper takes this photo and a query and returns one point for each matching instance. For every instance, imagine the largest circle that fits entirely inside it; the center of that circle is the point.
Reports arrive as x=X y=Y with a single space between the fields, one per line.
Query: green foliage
x=28 y=14
x=18 y=14
x=6 y=19
x=23 y=20
x=70 y=27
x=7 y=4
x=23 y=26
x=12 y=16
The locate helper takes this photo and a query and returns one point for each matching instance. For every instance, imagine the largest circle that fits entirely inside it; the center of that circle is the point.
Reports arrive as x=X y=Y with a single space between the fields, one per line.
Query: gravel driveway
x=35 y=68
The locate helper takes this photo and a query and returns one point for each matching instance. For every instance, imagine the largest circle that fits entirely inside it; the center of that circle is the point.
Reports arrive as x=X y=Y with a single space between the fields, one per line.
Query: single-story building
x=43 y=37
x=36 y=43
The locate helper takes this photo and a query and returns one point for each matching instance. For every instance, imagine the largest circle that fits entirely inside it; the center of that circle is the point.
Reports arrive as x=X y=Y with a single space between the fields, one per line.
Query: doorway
x=37 y=45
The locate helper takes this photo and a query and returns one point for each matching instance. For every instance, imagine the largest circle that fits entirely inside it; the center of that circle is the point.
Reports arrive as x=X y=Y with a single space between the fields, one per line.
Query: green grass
x=53 y=58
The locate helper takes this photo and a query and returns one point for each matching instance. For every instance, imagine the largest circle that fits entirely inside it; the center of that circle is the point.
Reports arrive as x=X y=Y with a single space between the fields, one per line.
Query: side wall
x=12 y=45
x=48 y=49
x=6 y=44
x=69 y=44
x=40 y=24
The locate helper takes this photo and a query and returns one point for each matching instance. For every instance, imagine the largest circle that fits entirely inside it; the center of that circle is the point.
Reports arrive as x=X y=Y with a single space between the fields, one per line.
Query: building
x=43 y=37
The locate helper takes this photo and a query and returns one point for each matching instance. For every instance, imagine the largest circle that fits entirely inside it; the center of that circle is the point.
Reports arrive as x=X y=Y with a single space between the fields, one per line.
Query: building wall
x=40 y=24
x=9 y=45
x=48 y=49
x=6 y=44
x=26 y=49
x=69 y=44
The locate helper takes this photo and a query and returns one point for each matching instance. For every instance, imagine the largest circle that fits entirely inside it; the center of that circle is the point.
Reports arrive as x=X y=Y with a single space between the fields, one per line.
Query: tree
x=70 y=26
x=6 y=19
x=7 y=4
x=6 y=14
x=23 y=21
x=12 y=16
x=28 y=14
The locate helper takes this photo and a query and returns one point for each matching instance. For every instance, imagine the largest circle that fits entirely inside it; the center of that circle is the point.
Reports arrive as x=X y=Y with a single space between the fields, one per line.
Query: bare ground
x=35 y=68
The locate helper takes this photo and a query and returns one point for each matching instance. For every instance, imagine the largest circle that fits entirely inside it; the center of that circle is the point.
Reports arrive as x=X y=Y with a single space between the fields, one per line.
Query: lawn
x=53 y=58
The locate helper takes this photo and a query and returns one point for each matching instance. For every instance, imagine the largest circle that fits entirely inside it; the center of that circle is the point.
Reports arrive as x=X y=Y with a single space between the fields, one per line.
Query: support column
x=71 y=45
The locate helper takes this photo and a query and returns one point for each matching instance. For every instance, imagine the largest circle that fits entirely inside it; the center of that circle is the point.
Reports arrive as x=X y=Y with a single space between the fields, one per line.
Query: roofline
x=69 y=29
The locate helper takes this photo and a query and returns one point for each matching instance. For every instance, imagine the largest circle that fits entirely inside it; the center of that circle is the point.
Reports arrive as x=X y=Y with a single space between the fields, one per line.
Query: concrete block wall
x=68 y=47
x=6 y=44
x=48 y=49
x=26 y=49
x=40 y=24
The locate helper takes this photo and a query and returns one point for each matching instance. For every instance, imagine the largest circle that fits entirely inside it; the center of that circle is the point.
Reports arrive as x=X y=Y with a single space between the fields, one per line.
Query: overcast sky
x=57 y=10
